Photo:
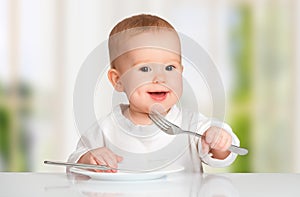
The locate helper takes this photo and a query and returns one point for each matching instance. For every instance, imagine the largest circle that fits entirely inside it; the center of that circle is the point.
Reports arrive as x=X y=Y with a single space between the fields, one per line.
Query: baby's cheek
x=135 y=96
x=131 y=86
x=174 y=83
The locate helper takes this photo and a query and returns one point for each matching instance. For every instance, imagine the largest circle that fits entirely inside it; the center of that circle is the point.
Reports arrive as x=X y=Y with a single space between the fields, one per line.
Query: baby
x=146 y=65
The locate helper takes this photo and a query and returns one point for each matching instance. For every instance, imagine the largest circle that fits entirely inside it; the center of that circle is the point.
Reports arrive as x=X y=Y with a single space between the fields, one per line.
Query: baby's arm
x=101 y=156
x=91 y=148
x=216 y=141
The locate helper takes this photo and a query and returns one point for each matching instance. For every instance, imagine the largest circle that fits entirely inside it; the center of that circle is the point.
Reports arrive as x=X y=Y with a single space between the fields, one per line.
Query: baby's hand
x=217 y=141
x=101 y=156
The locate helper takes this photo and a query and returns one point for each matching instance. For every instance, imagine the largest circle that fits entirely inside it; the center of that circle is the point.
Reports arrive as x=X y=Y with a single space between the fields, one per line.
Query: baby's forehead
x=164 y=39
x=149 y=56
x=153 y=55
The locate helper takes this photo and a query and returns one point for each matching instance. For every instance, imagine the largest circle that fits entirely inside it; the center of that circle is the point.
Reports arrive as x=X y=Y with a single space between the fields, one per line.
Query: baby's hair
x=132 y=26
x=142 y=20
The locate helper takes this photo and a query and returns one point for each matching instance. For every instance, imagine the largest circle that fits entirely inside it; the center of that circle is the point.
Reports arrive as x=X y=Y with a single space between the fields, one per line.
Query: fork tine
x=161 y=121
x=157 y=121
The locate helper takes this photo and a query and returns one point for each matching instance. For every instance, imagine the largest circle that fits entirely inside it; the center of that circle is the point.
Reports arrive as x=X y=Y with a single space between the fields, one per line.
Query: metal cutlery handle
x=80 y=165
x=235 y=149
x=238 y=150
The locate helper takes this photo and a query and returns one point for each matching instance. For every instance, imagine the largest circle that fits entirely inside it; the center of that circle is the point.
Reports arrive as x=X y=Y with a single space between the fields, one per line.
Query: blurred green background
x=255 y=45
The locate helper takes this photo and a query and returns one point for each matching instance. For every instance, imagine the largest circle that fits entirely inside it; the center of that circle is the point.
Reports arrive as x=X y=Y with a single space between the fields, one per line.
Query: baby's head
x=145 y=56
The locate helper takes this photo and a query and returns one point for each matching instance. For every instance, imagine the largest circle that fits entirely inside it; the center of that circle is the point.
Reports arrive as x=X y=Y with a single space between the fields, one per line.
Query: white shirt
x=146 y=147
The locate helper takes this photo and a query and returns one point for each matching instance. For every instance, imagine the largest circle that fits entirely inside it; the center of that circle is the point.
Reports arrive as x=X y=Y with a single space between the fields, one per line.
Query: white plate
x=125 y=176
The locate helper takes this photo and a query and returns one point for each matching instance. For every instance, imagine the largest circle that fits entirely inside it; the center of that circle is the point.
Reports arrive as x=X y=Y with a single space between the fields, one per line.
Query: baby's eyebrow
x=147 y=62
x=173 y=62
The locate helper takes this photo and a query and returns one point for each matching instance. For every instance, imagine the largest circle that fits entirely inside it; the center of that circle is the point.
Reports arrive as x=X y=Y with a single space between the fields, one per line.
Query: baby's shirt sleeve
x=91 y=139
x=207 y=158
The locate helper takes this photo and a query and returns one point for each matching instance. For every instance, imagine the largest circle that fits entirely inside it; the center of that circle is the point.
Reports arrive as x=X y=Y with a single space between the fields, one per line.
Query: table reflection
x=181 y=184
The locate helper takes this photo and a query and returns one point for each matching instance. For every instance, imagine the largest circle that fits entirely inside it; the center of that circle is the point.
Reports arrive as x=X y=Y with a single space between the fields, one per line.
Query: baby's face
x=149 y=76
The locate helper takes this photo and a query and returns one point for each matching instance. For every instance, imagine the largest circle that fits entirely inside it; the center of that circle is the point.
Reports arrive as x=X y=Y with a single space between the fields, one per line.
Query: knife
x=90 y=166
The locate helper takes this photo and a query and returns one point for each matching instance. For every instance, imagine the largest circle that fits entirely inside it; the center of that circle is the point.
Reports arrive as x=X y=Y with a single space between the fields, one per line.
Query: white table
x=180 y=184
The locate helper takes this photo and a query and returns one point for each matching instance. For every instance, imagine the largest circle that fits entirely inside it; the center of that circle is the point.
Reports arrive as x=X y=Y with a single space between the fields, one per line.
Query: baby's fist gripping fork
x=172 y=129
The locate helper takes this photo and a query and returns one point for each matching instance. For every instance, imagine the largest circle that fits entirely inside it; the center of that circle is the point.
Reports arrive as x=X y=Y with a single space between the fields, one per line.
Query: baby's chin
x=158 y=108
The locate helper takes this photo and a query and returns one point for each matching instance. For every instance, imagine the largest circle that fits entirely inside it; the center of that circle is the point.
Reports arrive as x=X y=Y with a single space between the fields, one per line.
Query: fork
x=172 y=129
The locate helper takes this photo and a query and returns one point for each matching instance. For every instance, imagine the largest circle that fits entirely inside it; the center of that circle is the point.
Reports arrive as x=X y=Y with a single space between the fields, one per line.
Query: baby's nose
x=158 y=79
x=158 y=74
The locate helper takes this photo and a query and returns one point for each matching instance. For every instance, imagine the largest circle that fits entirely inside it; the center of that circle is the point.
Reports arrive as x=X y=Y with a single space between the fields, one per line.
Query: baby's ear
x=114 y=78
x=182 y=67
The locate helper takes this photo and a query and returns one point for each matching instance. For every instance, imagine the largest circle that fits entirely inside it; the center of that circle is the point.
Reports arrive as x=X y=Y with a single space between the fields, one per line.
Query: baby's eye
x=145 y=69
x=170 y=67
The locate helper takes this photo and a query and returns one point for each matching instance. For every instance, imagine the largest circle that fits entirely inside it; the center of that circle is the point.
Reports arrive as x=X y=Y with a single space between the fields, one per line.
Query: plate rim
x=121 y=176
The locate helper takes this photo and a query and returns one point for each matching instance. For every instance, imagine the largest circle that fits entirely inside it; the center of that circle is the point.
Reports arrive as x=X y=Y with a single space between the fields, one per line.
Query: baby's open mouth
x=158 y=96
